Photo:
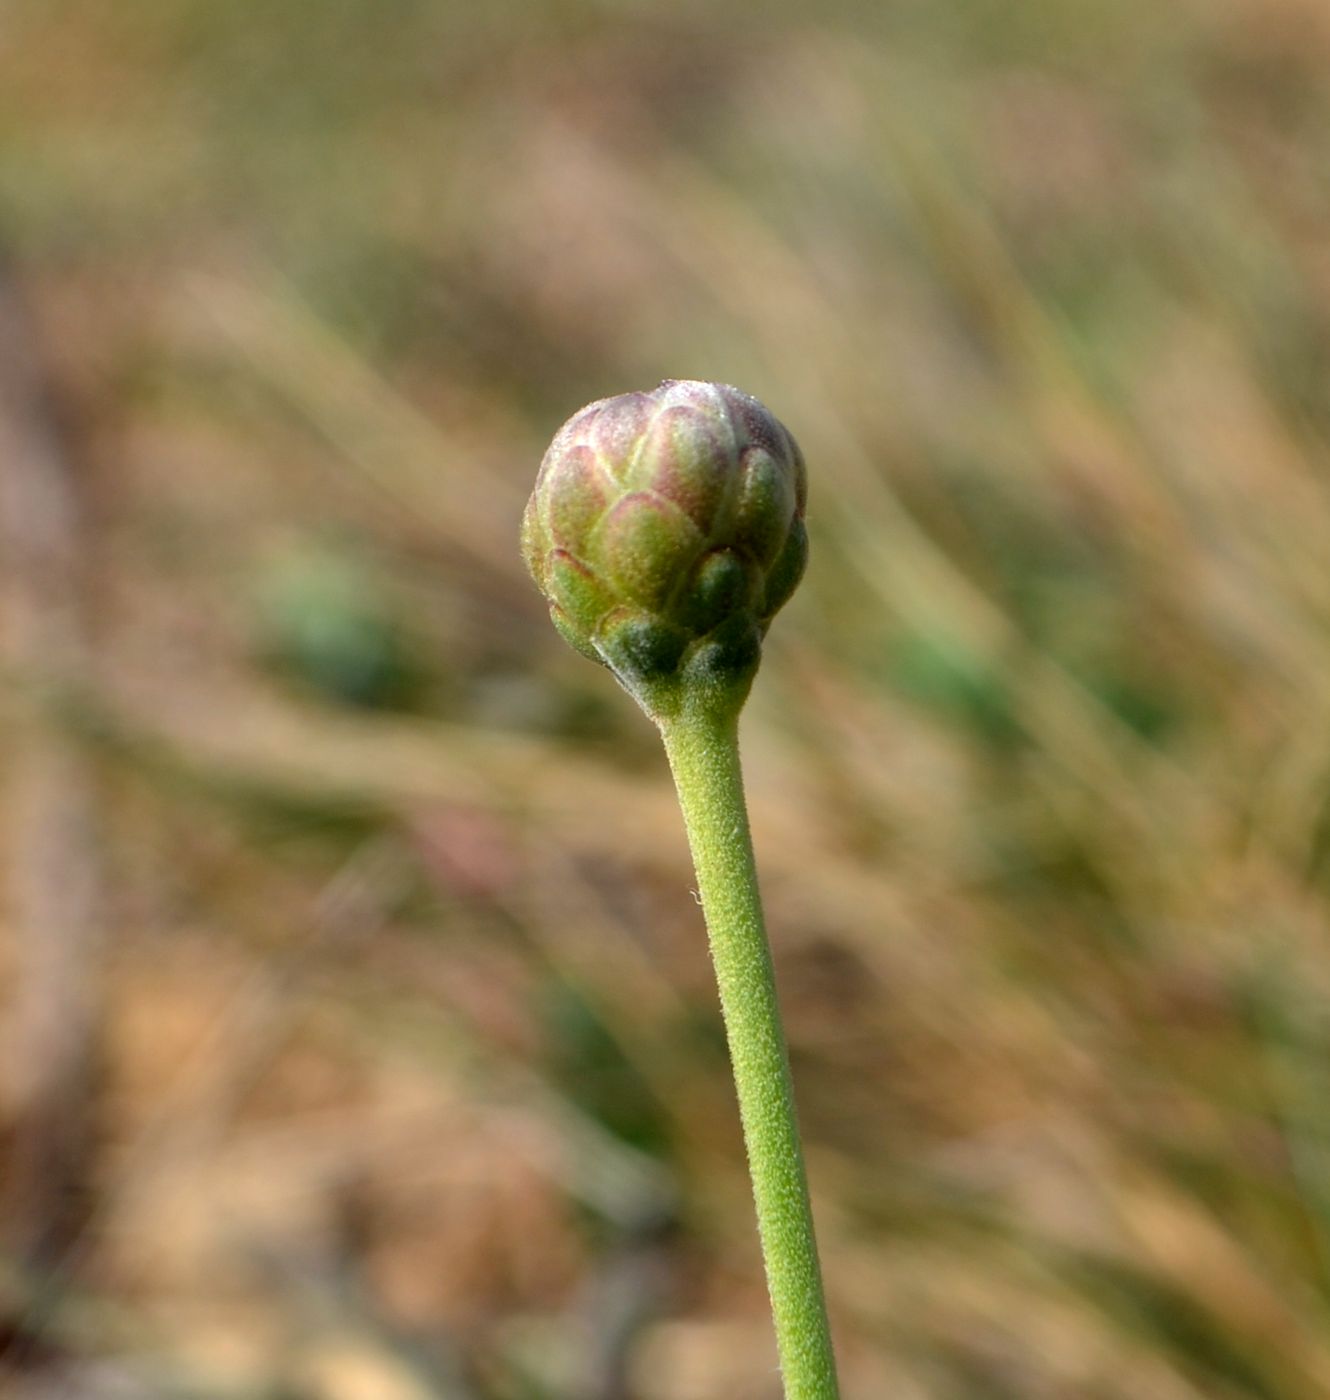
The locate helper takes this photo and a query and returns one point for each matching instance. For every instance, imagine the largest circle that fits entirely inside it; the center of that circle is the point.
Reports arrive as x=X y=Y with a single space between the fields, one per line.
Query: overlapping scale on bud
x=666 y=529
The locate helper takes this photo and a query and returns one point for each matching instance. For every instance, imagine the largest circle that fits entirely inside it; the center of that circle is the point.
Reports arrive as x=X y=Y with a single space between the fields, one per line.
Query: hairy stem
x=703 y=748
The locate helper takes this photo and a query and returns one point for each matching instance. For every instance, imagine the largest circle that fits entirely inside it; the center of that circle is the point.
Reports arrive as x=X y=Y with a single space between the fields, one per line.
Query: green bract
x=666 y=530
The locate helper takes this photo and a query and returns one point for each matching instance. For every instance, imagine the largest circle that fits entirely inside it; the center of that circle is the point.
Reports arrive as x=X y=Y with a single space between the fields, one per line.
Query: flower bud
x=665 y=530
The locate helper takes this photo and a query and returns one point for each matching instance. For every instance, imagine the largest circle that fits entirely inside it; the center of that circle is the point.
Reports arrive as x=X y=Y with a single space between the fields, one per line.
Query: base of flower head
x=666 y=672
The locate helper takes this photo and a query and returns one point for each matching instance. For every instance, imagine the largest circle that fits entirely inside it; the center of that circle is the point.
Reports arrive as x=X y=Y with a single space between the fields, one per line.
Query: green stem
x=703 y=748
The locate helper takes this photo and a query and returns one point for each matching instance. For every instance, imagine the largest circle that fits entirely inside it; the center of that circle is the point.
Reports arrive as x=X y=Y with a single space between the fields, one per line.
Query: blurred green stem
x=703 y=747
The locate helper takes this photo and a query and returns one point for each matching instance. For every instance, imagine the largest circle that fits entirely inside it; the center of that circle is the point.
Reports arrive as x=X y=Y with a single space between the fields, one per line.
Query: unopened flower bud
x=666 y=529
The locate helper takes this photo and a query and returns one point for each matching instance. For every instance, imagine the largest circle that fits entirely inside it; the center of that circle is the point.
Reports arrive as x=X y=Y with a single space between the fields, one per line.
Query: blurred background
x=359 y=1040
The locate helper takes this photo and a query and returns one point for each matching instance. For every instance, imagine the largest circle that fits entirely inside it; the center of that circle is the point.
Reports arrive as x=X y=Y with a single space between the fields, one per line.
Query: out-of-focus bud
x=666 y=529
